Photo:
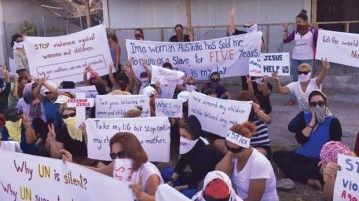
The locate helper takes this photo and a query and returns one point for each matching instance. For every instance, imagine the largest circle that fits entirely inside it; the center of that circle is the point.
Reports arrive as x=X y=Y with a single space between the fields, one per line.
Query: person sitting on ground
x=329 y=158
x=261 y=89
x=314 y=129
x=302 y=88
x=196 y=153
x=251 y=172
x=19 y=85
x=126 y=145
x=152 y=93
x=145 y=77
x=210 y=92
x=221 y=91
x=121 y=81
x=10 y=145
x=18 y=128
x=217 y=186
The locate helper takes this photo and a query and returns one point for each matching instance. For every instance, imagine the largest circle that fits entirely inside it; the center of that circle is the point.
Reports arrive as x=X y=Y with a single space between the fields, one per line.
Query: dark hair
x=192 y=126
x=167 y=64
x=303 y=15
x=246 y=96
x=21 y=78
x=13 y=39
x=131 y=147
x=122 y=76
x=215 y=73
x=113 y=37
x=209 y=91
x=317 y=93
x=179 y=25
x=140 y=30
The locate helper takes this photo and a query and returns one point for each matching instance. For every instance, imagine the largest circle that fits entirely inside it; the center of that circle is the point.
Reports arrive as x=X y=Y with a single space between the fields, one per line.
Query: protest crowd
x=222 y=156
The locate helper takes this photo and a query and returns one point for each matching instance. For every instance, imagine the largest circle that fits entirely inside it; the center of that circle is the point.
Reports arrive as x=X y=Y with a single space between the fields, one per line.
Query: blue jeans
x=294 y=67
x=167 y=176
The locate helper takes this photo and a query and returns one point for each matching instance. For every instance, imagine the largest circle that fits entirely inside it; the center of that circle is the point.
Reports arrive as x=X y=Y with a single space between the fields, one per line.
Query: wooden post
x=188 y=16
x=87 y=12
x=314 y=13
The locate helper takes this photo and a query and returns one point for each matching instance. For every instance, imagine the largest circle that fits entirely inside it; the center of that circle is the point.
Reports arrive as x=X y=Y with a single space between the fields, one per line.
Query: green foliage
x=27 y=28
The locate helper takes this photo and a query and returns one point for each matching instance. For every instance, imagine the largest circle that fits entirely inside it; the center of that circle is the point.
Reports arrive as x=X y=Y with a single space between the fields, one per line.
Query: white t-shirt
x=303 y=46
x=302 y=97
x=257 y=167
x=10 y=146
x=148 y=169
x=167 y=90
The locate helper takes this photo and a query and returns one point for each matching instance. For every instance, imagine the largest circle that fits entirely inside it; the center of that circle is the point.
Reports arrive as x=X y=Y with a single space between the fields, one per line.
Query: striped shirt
x=260 y=138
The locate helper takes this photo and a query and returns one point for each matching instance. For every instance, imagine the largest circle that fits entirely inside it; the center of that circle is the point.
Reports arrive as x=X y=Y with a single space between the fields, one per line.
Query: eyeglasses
x=245 y=26
x=191 y=84
x=303 y=72
x=48 y=92
x=314 y=104
x=19 y=41
x=119 y=154
x=65 y=116
x=234 y=150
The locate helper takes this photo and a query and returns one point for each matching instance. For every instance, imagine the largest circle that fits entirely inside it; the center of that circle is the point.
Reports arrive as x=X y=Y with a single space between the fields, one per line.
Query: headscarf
x=212 y=176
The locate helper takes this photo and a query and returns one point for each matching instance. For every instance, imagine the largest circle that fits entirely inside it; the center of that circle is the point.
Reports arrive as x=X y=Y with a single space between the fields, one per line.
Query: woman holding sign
x=251 y=172
x=125 y=145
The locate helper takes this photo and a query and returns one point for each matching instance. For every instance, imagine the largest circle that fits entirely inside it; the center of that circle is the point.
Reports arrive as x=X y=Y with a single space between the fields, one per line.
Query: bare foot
x=315 y=183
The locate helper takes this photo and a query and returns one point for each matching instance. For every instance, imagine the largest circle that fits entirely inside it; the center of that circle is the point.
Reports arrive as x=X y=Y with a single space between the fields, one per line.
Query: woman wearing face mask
x=261 y=89
x=152 y=93
x=305 y=42
x=214 y=84
x=315 y=128
x=145 y=77
x=21 y=62
x=302 y=88
x=126 y=145
x=251 y=172
x=195 y=152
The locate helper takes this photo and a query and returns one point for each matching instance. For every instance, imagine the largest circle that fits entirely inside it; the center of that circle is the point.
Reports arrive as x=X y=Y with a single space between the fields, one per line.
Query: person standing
x=180 y=37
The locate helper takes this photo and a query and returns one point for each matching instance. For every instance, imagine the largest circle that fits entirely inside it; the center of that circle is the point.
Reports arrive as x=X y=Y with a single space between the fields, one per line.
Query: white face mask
x=145 y=82
x=304 y=78
x=259 y=81
x=186 y=145
x=253 y=28
x=320 y=113
x=190 y=88
x=18 y=45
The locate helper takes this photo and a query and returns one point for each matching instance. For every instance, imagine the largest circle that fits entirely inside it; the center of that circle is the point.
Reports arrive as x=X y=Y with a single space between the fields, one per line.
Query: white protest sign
x=152 y=132
x=115 y=106
x=90 y=91
x=238 y=139
x=72 y=91
x=166 y=76
x=338 y=47
x=123 y=171
x=347 y=181
x=80 y=103
x=218 y=115
x=268 y=63
x=165 y=192
x=228 y=56
x=172 y=108
x=65 y=57
x=12 y=65
x=27 y=177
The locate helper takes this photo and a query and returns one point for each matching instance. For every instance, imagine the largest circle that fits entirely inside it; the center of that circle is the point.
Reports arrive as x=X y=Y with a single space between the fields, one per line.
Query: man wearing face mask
x=315 y=128
x=214 y=84
x=305 y=43
x=302 y=88
x=195 y=152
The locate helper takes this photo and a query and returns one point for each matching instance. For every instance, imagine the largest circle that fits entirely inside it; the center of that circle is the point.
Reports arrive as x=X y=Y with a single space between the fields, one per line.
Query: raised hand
x=249 y=80
x=275 y=76
x=51 y=134
x=66 y=156
x=26 y=120
x=285 y=26
x=325 y=63
x=190 y=36
x=137 y=188
x=265 y=78
x=232 y=12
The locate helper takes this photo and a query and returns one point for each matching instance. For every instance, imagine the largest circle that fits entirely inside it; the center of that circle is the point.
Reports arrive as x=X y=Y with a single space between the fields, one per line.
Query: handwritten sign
x=123 y=171
x=338 y=47
x=27 y=177
x=268 y=63
x=115 y=106
x=238 y=139
x=166 y=76
x=65 y=57
x=172 y=108
x=152 y=132
x=228 y=56
x=71 y=91
x=347 y=181
x=90 y=91
x=218 y=115
x=80 y=103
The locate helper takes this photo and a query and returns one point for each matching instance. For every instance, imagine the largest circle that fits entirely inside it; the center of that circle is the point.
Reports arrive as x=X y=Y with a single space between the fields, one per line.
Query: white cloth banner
x=115 y=106
x=65 y=57
x=152 y=132
x=218 y=115
x=172 y=108
x=27 y=177
x=268 y=63
x=338 y=47
x=90 y=91
x=347 y=181
x=165 y=192
x=228 y=56
x=166 y=76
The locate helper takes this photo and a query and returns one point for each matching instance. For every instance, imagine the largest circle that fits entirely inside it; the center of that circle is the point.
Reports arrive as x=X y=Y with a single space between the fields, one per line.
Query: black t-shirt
x=75 y=147
x=238 y=32
x=185 y=38
x=264 y=100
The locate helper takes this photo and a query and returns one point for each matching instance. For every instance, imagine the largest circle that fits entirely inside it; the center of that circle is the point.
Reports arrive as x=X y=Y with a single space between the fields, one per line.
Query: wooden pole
x=188 y=16
x=87 y=13
x=314 y=13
